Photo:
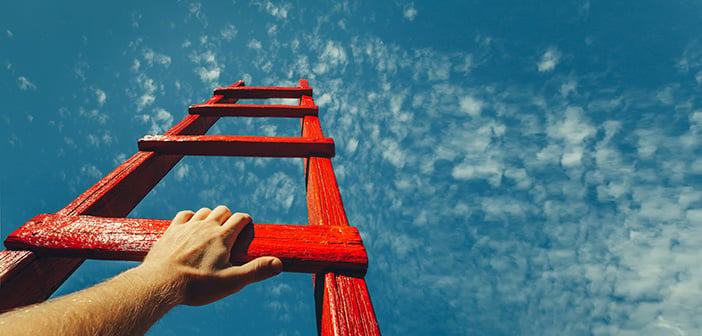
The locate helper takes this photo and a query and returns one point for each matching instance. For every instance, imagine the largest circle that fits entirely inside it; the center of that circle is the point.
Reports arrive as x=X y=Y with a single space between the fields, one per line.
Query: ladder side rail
x=346 y=305
x=26 y=279
x=343 y=304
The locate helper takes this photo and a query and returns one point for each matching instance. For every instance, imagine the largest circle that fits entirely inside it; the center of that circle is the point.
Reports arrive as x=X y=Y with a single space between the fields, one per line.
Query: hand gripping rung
x=235 y=145
x=253 y=110
x=302 y=248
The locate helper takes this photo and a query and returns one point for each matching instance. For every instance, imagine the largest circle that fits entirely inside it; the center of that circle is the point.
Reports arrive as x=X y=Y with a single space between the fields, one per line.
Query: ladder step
x=253 y=110
x=253 y=92
x=236 y=145
x=302 y=248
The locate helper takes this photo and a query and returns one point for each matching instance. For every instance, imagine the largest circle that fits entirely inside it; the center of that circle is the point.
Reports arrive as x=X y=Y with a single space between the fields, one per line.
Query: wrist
x=164 y=285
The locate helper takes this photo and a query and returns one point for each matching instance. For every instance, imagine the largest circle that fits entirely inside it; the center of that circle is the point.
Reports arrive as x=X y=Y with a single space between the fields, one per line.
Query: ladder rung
x=302 y=248
x=237 y=145
x=253 y=92
x=253 y=110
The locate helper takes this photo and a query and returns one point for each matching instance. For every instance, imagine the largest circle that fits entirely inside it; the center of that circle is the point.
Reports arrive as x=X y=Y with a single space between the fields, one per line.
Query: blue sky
x=513 y=167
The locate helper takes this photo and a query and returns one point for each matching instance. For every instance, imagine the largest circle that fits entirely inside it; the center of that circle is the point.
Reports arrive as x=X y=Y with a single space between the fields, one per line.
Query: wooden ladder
x=48 y=248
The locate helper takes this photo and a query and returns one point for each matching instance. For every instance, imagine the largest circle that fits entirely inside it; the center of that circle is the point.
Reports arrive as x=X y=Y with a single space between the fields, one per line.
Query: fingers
x=201 y=214
x=233 y=226
x=182 y=217
x=220 y=214
x=256 y=270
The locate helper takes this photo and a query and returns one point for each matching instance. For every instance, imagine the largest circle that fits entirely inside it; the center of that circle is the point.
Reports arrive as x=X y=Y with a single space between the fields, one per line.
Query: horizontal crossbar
x=235 y=145
x=253 y=110
x=302 y=248
x=252 y=92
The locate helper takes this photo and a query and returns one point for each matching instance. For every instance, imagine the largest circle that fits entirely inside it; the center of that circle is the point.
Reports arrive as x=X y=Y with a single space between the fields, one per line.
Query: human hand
x=193 y=257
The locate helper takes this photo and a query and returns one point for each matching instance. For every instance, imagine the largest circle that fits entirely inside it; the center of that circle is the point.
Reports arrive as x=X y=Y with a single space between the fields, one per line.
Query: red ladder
x=48 y=248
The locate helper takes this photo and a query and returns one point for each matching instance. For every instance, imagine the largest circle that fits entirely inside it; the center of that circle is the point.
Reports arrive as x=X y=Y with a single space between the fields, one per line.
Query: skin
x=189 y=265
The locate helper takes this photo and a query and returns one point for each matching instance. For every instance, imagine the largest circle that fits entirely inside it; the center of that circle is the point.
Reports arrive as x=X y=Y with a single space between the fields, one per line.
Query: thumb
x=255 y=270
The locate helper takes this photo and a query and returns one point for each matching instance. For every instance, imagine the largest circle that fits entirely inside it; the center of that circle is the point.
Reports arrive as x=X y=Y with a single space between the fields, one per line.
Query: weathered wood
x=253 y=92
x=302 y=248
x=32 y=279
x=253 y=110
x=27 y=279
x=235 y=145
x=343 y=303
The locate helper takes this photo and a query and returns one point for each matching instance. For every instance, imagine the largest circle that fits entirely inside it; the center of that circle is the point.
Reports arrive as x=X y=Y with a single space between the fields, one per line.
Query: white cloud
x=549 y=60
x=208 y=75
x=24 y=84
x=471 y=105
x=144 y=101
x=148 y=90
x=409 y=12
x=152 y=57
x=91 y=171
x=159 y=121
x=482 y=169
x=136 y=17
x=97 y=140
x=467 y=65
x=100 y=96
x=572 y=158
x=228 y=32
x=279 y=11
x=195 y=10
x=208 y=68
x=135 y=65
x=323 y=100
x=254 y=44
x=572 y=128
x=332 y=56
x=9 y=33
x=393 y=153
x=80 y=69
x=182 y=171
x=569 y=87
x=94 y=114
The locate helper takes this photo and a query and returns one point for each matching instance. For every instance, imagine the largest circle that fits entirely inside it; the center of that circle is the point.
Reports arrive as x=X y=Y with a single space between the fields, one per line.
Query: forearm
x=127 y=304
x=188 y=265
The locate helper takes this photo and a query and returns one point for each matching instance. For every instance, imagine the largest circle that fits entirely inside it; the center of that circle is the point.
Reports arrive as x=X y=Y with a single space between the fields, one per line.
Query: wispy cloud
x=549 y=60
x=158 y=121
x=100 y=96
x=207 y=67
x=24 y=84
x=409 y=12
x=228 y=32
x=691 y=61
x=254 y=44
x=471 y=105
x=195 y=11
x=152 y=57
x=279 y=11
x=333 y=56
x=147 y=93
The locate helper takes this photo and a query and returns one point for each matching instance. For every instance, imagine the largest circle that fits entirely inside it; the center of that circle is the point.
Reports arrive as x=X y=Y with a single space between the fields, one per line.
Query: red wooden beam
x=234 y=145
x=252 y=92
x=343 y=304
x=302 y=248
x=253 y=110
x=26 y=278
